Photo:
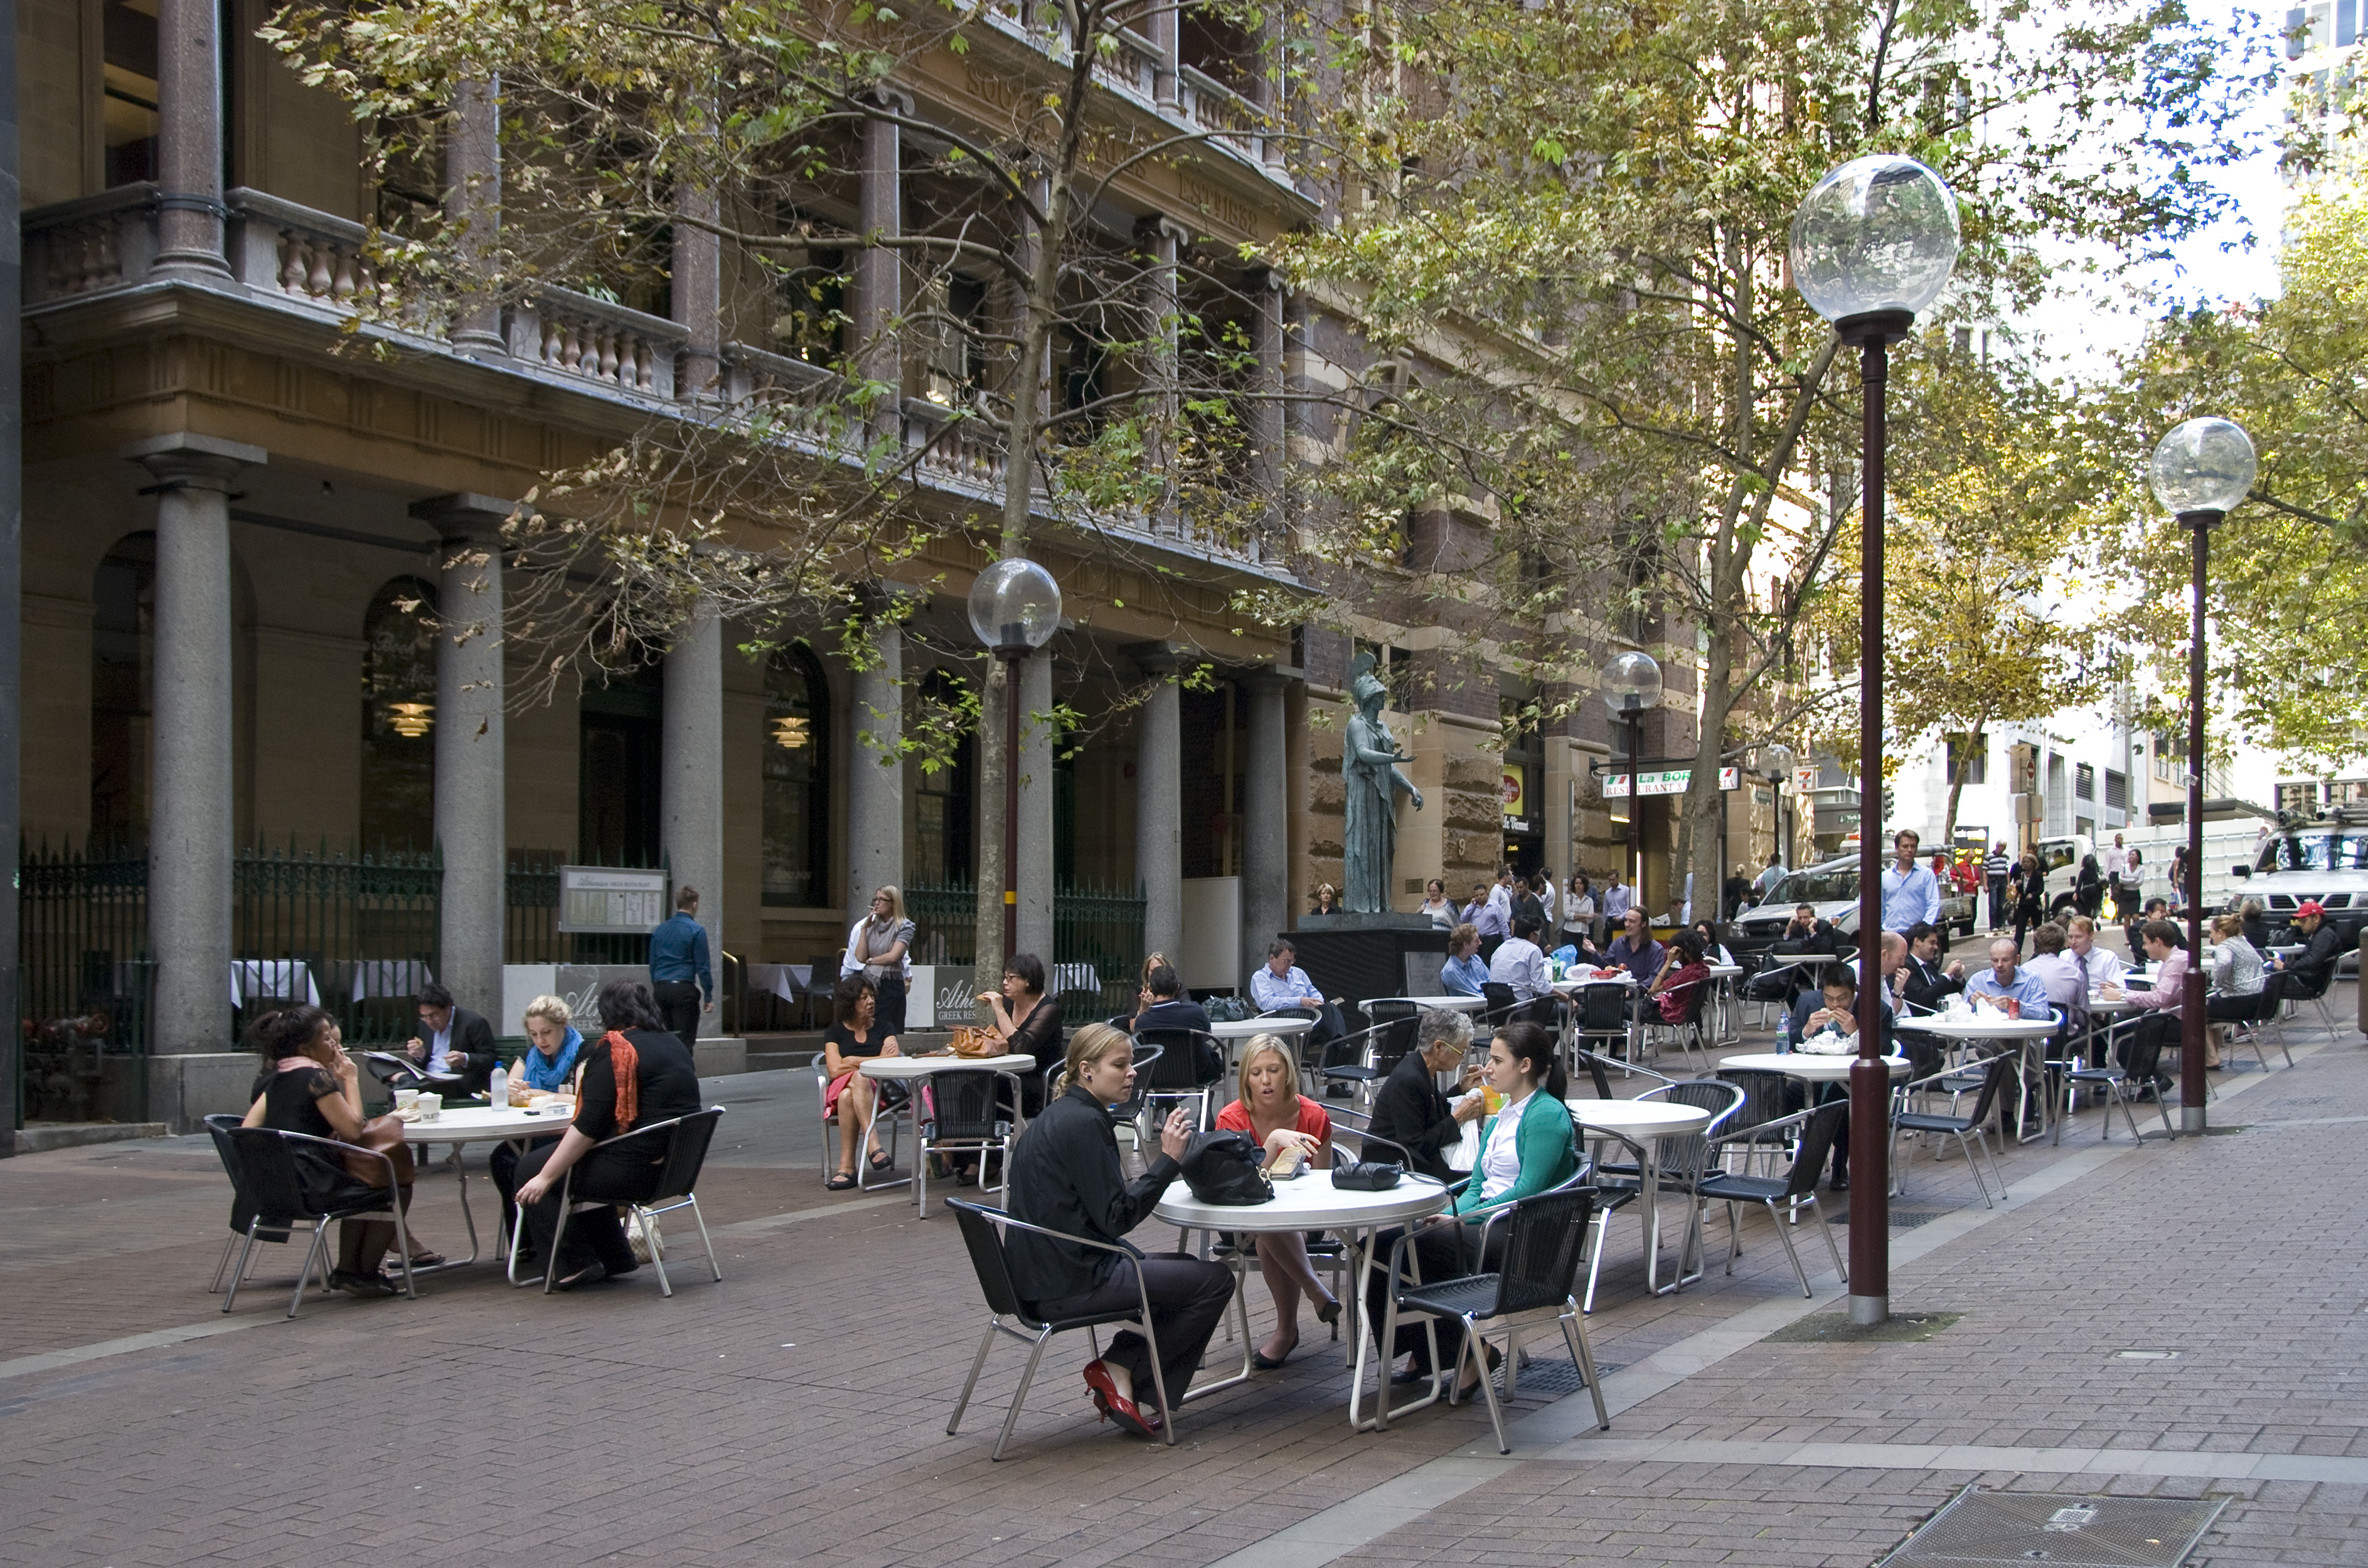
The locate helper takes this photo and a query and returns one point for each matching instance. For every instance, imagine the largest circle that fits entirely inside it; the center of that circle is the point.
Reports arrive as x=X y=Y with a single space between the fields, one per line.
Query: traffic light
x=1890 y=807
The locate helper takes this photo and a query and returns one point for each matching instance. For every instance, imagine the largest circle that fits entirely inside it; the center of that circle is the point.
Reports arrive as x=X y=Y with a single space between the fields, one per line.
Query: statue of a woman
x=1368 y=769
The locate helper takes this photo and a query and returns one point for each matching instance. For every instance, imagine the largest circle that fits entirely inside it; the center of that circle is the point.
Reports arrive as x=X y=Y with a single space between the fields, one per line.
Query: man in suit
x=453 y=1039
x=1928 y=985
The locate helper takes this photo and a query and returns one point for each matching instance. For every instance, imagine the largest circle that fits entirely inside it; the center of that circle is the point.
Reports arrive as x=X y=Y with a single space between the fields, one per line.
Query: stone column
x=1164 y=33
x=879 y=271
x=690 y=789
x=472 y=199
x=191 y=823
x=1266 y=827
x=698 y=292
x=471 y=829
x=189 y=139
x=1159 y=802
x=875 y=771
x=1035 y=765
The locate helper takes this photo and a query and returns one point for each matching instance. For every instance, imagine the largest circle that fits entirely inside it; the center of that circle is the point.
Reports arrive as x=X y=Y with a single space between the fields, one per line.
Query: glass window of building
x=399 y=717
x=797 y=779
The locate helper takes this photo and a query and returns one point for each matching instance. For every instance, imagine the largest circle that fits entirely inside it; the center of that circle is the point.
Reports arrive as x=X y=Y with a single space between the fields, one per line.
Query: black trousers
x=596 y=1235
x=1445 y=1252
x=1187 y=1300
x=677 y=1002
x=502 y=1166
x=1998 y=902
x=888 y=1004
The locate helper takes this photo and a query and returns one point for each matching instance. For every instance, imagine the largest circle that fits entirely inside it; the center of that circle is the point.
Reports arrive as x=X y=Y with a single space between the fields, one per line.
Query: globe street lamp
x=2200 y=471
x=1631 y=682
x=1778 y=759
x=1871 y=245
x=1015 y=607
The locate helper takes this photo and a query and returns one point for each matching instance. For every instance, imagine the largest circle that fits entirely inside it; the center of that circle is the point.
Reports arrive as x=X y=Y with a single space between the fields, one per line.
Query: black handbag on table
x=1367 y=1176
x=1224 y=1168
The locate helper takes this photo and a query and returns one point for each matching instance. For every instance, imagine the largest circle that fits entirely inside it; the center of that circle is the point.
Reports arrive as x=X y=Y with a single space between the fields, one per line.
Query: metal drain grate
x=1555 y=1377
x=2071 y=1531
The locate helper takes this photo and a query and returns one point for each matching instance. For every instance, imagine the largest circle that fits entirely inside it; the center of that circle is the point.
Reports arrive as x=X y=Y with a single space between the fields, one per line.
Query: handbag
x=382 y=1135
x=973 y=1042
x=1367 y=1176
x=1224 y=1168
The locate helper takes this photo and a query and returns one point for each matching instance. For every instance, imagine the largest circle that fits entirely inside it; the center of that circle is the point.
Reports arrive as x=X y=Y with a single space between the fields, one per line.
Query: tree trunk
x=1975 y=745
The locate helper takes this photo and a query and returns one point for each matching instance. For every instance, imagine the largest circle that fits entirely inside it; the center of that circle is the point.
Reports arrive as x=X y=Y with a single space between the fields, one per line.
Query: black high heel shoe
x=1328 y=1315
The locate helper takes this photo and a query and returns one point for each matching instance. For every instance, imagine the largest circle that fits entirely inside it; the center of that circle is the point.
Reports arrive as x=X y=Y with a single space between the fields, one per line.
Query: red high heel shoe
x=1116 y=1406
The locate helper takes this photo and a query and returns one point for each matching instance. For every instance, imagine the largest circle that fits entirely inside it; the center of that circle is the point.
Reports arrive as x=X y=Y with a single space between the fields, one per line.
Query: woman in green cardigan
x=1525 y=1148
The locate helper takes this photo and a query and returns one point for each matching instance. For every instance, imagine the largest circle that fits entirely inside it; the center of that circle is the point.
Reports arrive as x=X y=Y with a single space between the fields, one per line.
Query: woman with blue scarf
x=550 y=1067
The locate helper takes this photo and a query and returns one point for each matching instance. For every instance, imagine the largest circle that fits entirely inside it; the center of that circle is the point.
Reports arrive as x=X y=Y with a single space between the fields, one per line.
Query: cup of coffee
x=405 y=1099
x=430 y=1106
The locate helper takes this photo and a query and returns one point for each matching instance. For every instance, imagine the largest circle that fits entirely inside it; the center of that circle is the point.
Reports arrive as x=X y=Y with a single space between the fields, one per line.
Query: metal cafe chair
x=962 y=1115
x=267 y=1170
x=883 y=1113
x=685 y=1140
x=2123 y=1081
x=1795 y=1190
x=1993 y=1077
x=218 y=1125
x=1180 y=1071
x=1533 y=1287
x=983 y=1229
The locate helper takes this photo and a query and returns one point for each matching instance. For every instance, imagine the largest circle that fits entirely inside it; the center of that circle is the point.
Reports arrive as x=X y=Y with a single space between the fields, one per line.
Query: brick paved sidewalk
x=796 y=1413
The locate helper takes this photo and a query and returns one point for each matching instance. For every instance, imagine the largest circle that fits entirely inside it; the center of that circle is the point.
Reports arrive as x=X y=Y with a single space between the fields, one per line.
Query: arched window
x=122 y=653
x=797 y=780
x=399 y=717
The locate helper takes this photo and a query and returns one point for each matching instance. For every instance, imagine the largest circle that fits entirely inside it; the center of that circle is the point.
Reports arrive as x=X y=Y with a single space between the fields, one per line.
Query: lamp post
x=1631 y=682
x=2200 y=471
x=1778 y=759
x=1871 y=245
x=1015 y=607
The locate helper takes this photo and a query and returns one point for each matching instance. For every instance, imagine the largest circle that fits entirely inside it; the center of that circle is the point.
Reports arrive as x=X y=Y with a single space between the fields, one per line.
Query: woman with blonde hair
x=1066 y=1176
x=553 y=1044
x=1271 y=1110
x=879 y=948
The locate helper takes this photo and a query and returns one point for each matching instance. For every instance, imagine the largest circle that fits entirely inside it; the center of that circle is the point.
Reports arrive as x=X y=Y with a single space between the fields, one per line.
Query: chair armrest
x=1123 y=1247
x=344 y=1148
x=1797 y=1118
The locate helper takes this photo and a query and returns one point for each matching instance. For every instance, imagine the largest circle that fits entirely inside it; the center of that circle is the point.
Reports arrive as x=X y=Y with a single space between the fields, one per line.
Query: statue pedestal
x=1363 y=955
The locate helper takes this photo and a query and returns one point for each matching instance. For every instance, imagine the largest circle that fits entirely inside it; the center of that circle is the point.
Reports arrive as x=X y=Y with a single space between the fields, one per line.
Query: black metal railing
x=1092 y=925
x=365 y=926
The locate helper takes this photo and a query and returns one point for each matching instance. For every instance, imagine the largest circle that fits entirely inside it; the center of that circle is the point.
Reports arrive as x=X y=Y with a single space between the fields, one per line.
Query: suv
x=2325 y=859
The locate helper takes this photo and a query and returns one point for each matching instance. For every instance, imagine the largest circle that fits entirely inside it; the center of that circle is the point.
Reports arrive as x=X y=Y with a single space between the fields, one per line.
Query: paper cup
x=430 y=1106
x=405 y=1099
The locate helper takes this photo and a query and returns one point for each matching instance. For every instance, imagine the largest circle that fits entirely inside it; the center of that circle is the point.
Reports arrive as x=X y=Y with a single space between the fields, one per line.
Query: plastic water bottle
x=499 y=1088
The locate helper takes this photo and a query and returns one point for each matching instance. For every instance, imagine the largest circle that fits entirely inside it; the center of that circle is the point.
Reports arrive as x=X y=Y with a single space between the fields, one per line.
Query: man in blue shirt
x=1463 y=973
x=678 y=969
x=1281 y=986
x=2005 y=978
x=1635 y=949
x=1910 y=891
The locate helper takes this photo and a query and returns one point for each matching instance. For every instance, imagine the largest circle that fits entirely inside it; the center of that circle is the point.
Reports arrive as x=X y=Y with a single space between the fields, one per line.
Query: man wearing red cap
x=2314 y=967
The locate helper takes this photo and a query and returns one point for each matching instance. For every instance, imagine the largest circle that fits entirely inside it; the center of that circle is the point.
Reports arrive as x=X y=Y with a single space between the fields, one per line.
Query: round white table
x=2023 y=1034
x=1642 y=1124
x=1571 y=982
x=1246 y=1029
x=1808 y=1065
x=477 y=1124
x=1310 y=1202
x=918 y=1069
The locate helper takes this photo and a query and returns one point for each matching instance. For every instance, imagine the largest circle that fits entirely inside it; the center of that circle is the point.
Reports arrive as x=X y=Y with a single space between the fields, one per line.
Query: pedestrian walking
x=1998 y=868
x=680 y=975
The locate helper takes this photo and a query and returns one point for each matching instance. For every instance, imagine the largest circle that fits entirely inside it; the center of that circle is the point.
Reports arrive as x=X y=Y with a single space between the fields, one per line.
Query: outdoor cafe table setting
x=921 y=1069
x=1642 y=1124
x=1812 y=1067
x=1309 y=1201
x=428 y=1121
x=1233 y=1031
x=1980 y=1025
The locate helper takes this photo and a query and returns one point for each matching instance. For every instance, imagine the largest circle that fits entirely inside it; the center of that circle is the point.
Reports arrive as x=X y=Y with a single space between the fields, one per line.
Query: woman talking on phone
x=1066 y=1176
x=1273 y=1111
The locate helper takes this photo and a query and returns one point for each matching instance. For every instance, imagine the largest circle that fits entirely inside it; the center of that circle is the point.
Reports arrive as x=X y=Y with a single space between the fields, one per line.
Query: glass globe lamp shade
x=1015 y=604
x=2204 y=465
x=1878 y=234
x=1779 y=757
x=1631 y=681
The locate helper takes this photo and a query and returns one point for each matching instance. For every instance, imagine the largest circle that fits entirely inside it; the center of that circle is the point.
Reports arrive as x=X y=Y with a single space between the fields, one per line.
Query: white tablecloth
x=276 y=980
x=1074 y=977
x=780 y=979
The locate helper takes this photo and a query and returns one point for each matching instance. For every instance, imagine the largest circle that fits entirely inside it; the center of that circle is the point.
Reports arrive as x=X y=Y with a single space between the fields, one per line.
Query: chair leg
x=1574 y=1334
x=1011 y=1417
x=1983 y=1187
x=223 y=1265
x=704 y=1239
x=240 y=1278
x=551 y=1264
x=304 y=1275
x=1594 y=1257
x=2127 y=1097
x=1826 y=1228
x=1784 y=1234
x=1477 y=1351
x=657 y=1251
x=977 y=1365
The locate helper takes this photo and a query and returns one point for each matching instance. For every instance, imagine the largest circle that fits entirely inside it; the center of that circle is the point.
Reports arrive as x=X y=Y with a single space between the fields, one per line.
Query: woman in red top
x=1273 y=1110
x=1673 y=988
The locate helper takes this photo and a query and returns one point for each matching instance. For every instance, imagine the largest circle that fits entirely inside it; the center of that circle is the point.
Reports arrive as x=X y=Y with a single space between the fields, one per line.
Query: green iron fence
x=1092 y=925
x=82 y=983
x=364 y=924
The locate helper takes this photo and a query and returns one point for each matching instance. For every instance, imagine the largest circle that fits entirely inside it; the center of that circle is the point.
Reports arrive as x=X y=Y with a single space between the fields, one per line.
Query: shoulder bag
x=382 y=1135
x=1223 y=1168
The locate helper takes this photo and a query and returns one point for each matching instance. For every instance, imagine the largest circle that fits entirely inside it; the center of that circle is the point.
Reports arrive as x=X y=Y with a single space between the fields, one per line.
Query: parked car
x=2325 y=859
x=1831 y=887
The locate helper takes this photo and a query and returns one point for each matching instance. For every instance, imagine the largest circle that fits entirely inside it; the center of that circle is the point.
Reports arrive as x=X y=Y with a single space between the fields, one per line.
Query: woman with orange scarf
x=637 y=1073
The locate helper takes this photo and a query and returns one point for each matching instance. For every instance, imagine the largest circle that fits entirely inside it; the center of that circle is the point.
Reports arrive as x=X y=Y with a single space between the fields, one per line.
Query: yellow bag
x=977 y=1042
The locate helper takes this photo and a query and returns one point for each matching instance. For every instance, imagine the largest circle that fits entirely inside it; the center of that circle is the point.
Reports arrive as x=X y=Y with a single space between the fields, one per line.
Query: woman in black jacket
x=1066 y=1176
x=637 y=1073
x=1411 y=1113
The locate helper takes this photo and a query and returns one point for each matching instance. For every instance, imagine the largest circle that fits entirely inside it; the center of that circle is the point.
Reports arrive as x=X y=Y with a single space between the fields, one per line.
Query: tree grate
x=1978 y=1528
x=1556 y=1376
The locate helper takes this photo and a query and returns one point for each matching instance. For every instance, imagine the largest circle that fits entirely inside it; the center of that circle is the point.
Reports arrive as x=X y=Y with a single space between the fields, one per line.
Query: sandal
x=880 y=1160
x=842 y=1182
x=424 y=1260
